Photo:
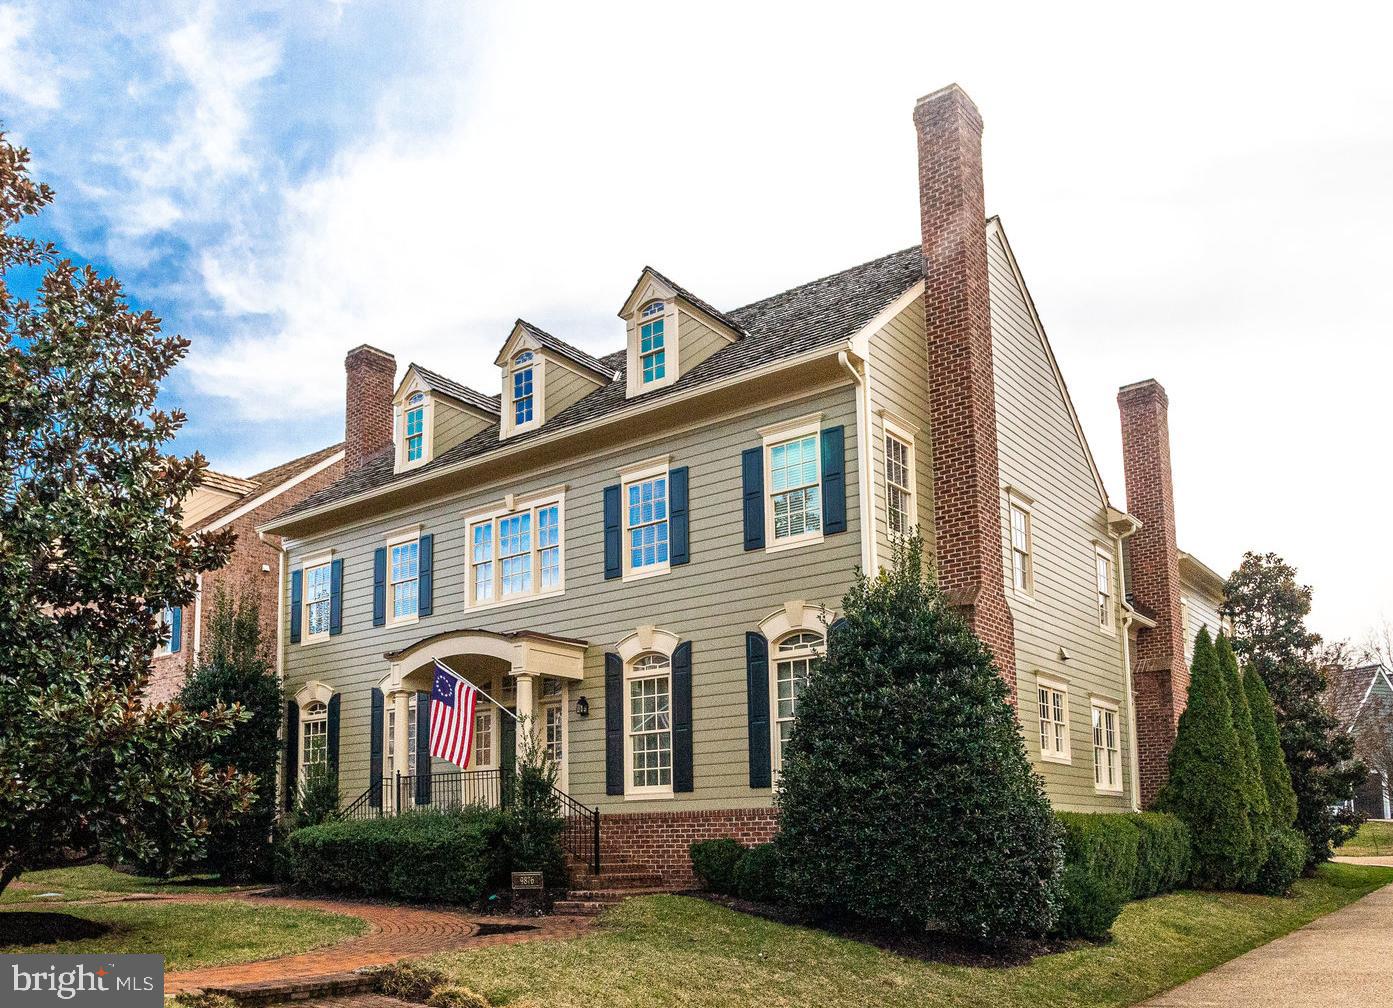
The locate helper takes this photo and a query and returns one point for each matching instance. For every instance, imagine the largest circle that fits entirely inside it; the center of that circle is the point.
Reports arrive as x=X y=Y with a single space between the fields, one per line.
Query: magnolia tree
x=91 y=551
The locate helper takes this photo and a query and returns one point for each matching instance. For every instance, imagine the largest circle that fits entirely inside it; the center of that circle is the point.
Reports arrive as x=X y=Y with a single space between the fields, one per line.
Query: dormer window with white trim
x=415 y=447
x=413 y=424
x=523 y=388
x=652 y=351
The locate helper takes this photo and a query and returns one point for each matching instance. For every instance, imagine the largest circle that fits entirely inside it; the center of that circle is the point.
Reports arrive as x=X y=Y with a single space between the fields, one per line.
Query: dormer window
x=415 y=427
x=522 y=388
x=652 y=352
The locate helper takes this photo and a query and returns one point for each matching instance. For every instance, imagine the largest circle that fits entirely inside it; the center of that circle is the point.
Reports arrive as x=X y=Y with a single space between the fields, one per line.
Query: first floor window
x=317 y=600
x=1021 y=573
x=795 y=487
x=483 y=737
x=1054 y=721
x=1104 y=591
x=404 y=562
x=646 y=516
x=314 y=735
x=554 y=730
x=797 y=657
x=899 y=491
x=1107 y=751
x=650 y=724
x=166 y=644
x=515 y=555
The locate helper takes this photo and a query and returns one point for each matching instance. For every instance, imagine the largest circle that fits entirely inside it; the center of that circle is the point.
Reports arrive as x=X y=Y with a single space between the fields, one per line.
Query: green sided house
x=642 y=552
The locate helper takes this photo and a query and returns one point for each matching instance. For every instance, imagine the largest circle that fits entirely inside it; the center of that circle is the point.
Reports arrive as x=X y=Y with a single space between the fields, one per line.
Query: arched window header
x=797 y=616
x=526 y=357
x=653 y=308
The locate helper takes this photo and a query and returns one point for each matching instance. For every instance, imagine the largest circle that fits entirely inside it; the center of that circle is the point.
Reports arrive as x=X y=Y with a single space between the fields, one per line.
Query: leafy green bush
x=756 y=875
x=409 y=981
x=453 y=857
x=1163 y=854
x=1090 y=903
x=1287 y=854
x=535 y=824
x=317 y=801
x=1100 y=868
x=905 y=797
x=715 y=862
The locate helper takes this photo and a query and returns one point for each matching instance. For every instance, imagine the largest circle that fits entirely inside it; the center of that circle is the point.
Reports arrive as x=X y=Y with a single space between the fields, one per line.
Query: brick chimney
x=1160 y=676
x=962 y=388
x=367 y=417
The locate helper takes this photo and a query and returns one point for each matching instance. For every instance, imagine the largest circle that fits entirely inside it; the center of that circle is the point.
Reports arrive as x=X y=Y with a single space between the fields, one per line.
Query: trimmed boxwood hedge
x=457 y=857
x=1112 y=858
x=715 y=862
x=756 y=874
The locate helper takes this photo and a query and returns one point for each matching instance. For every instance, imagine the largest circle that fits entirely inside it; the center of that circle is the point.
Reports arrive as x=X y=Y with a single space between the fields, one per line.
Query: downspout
x=279 y=547
x=197 y=617
x=863 y=466
x=1133 y=753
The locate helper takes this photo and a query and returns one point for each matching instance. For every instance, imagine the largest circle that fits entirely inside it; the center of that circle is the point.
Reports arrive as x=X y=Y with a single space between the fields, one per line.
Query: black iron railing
x=459 y=789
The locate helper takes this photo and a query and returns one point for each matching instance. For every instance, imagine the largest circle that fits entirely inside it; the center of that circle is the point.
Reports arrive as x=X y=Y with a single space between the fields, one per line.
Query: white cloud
x=26 y=75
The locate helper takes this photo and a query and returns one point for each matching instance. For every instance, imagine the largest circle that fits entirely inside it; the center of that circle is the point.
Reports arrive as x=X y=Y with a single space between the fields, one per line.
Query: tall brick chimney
x=962 y=388
x=367 y=417
x=1160 y=677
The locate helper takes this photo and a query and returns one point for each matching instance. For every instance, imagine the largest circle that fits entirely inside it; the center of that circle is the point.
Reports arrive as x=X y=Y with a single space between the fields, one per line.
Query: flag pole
x=445 y=668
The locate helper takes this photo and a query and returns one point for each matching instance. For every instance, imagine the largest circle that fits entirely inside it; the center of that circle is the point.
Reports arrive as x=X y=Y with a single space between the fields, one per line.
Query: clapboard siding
x=711 y=601
x=697 y=341
x=1042 y=455
x=1201 y=610
x=453 y=425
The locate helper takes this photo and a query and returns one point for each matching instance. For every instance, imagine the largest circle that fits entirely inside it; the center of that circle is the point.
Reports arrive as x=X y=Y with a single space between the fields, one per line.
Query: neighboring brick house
x=223 y=501
x=642 y=551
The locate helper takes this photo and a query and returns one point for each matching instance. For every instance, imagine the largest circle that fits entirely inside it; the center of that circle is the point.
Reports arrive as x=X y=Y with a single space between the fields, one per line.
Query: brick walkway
x=395 y=932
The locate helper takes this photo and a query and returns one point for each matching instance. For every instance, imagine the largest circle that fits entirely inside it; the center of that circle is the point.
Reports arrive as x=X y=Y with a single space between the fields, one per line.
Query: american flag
x=452 y=703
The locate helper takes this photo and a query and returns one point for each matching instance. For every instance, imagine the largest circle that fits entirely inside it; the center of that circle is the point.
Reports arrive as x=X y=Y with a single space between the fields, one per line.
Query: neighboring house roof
x=450 y=387
x=565 y=349
x=269 y=480
x=228 y=484
x=1197 y=573
x=825 y=311
x=1362 y=690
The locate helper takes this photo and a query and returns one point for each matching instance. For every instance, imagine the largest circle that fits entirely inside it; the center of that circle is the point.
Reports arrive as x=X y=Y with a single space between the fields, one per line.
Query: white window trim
x=660 y=791
x=312 y=692
x=1101 y=552
x=511 y=506
x=399 y=411
x=635 y=382
x=400 y=537
x=163 y=650
x=1019 y=502
x=1107 y=704
x=637 y=473
x=1065 y=755
x=538 y=364
x=781 y=433
x=562 y=701
x=905 y=436
x=494 y=714
x=775 y=757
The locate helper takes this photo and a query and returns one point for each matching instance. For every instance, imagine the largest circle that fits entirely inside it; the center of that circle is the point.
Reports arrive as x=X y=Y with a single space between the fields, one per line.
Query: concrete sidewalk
x=1344 y=958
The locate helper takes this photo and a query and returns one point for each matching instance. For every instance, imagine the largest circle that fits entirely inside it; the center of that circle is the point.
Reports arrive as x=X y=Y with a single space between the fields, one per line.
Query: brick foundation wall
x=1160 y=676
x=662 y=840
x=968 y=532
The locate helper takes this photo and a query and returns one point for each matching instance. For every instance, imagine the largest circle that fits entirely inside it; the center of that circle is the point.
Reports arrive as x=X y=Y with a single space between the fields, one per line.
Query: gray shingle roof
x=815 y=314
x=688 y=295
x=565 y=349
x=463 y=393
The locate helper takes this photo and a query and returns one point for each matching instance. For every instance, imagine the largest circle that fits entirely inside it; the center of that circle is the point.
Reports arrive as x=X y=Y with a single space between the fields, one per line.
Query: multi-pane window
x=650 y=724
x=390 y=746
x=1107 y=749
x=553 y=733
x=403 y=572
x=652 y=353
x=166 y=631
x=898 y=488
x=317 y=600
x=1104 y=591
x=797 y=657
x=415 y=427
x=314 y=735
x=1054 y=721
x=522 y=388
x=794 y=485
x=483 y=737
x=1022 y=576
x=514 y=555
x=646 y=515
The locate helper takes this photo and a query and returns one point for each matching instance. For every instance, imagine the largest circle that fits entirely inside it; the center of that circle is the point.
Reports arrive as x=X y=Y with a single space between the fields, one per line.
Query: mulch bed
x=21 y=927
x=931 y=946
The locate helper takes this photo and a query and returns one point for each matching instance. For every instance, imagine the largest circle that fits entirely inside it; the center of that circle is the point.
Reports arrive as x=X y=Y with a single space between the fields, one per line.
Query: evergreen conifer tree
x=1276 y=778
x=1206 y=789
x=1259 y=808
x=906 y=797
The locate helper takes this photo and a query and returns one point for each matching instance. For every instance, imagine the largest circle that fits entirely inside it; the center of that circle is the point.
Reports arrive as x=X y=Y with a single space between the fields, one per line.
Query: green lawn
x=194 y=934
x=1373 y=838
x=673 y=950
x=95 y=880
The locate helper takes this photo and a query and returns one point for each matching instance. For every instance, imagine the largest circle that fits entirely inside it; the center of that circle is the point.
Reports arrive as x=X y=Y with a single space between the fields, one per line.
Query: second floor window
x=795 y=488
x=1022 y=574
x=317 y=600
x=646 y=515
x=404 y=563
x=898 y=489
x=515 y=555
x=415 y=427
x=1104 y=591
x=652 y=353
x=522 y=388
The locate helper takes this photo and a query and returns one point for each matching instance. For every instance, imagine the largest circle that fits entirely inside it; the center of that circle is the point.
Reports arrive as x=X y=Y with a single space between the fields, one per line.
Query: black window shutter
x=614 y=561
x=682 y=717
x=333 y=732
x=336 y=598
x=679 y=524
x=757 y=697
x=422 y=768
x=425 y=596
x=379 y=723
x=292 y=751
x=614 y=724
x=297 y=600
x=507 y=757
x=752 y=483
x=833 y=480
x=176 y=629
x=379 y=586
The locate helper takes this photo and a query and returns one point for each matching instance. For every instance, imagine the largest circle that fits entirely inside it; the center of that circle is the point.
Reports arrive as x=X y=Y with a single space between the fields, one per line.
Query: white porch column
x=400 y=699
x=527 y=708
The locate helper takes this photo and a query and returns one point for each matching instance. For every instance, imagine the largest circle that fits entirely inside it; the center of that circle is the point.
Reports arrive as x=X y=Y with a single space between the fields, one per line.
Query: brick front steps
x=274 y=992
x=619 y=878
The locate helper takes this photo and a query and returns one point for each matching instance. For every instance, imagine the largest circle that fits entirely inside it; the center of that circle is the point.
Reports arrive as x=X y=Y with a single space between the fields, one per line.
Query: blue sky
x=1200 y=197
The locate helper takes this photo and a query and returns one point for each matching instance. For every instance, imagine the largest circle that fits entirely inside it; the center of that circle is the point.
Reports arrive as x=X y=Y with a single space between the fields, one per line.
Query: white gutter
x=197 y=616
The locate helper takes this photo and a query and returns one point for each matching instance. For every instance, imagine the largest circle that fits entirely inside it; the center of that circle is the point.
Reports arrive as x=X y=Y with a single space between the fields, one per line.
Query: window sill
x=1016 y=595
x=308 y=641
x=647 y=795
x=793 y=543
x=404 y=620
x=1110 y=792
x=643 y=573
x=1064 y=759
x=516 y=600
